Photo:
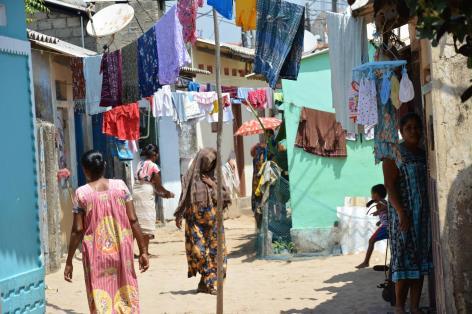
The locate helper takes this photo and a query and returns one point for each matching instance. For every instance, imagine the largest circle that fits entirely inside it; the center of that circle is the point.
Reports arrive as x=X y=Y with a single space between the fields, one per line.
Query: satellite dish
x=110 y=20
x=310 y=42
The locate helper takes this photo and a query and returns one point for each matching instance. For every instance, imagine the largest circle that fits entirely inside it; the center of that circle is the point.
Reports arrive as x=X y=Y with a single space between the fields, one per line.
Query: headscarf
x=194 y=190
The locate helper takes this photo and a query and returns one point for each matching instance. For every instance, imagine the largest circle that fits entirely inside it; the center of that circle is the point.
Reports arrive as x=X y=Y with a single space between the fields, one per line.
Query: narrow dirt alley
x=321 y=285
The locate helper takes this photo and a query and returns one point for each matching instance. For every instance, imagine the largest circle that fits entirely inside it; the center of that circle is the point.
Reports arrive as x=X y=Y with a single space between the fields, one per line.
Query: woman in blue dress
x=410 y=225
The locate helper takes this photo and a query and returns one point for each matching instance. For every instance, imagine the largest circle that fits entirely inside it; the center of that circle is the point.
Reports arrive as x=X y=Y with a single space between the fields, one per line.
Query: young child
x=378 y=193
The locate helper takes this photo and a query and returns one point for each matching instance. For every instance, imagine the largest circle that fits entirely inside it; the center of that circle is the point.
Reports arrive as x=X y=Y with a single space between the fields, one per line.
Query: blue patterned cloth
x=411 y=251
x=224 y=7
x=193 y=87
x=148 y=63
x=279 y=40
x=386 y=131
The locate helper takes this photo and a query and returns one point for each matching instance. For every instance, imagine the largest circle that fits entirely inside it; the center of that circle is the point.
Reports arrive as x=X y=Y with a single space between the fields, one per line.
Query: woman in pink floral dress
x=105 y=222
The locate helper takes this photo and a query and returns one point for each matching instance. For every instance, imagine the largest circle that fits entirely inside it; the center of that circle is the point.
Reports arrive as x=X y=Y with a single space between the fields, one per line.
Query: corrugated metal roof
x=41 y=37
x=69 y=4
x=194 y=71
x=243 y=52
x=58 y=45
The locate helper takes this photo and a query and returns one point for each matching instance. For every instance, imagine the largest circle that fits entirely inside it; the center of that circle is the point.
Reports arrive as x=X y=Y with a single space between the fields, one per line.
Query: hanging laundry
x=385 y=88
x=179 y=100
x=205 y=98
x=224 y=7
x=232 y=90
x=386 y=134
x=258 y=99
x=407 y=91
x=78 y=79
x=367 y=107
x=93 y=85
x=243 y=92
x=170 y=47
x=162 y=105
x=112 y=81
x=319 y=133
x=193 y=87
x=279 y=40
x=227 y=115
x=148 y=63
x=122 y=122
x=246 y=14
x=187 y=12
x=203 y=88
x=353 y=102
x=394 y=92
x=129 y=74
x=348 y=42
x=269 y=96
x=191 y=107
x=279 y=97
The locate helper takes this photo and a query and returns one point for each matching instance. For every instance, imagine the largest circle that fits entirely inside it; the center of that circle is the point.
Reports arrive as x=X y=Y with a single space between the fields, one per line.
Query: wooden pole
x=219 y=213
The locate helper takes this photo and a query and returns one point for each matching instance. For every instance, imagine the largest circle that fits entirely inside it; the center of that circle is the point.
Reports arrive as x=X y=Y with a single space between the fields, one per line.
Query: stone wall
x=451 y=168
x=65 y=25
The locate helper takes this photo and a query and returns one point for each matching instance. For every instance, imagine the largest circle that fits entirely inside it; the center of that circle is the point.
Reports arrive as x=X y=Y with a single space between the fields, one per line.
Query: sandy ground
x=320 y=285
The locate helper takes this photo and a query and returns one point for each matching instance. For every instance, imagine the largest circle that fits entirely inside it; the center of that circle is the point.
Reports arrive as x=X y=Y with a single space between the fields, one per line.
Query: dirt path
x=321 y=285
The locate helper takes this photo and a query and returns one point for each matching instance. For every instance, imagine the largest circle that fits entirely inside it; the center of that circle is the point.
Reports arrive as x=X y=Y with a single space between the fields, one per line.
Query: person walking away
x=147 y=185
x=197 y=206
x=378 y=195
x=105 y=222
x=410 y=225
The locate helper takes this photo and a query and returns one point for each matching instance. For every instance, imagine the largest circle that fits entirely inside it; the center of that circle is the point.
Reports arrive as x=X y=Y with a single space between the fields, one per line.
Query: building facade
x=319 y=185
x=22 y=271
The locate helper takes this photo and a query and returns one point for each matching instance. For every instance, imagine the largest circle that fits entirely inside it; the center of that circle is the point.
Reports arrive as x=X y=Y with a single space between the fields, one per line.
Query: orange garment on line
x=246 y=14
x=122 y=122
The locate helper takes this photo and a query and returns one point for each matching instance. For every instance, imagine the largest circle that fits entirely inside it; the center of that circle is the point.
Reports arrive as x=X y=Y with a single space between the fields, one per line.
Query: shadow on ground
x=246 y=250
x=351 y=292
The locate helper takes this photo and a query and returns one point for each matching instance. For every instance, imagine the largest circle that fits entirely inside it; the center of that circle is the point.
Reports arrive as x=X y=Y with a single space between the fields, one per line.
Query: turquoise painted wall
x=21 y=270
x=318 y=185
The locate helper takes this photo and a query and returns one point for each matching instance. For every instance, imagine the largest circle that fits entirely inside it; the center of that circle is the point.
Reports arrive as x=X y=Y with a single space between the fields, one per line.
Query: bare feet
x=362 y=265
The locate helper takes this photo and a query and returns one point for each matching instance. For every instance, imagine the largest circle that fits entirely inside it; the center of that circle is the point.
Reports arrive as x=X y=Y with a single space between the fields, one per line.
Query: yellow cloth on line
x=246 y=14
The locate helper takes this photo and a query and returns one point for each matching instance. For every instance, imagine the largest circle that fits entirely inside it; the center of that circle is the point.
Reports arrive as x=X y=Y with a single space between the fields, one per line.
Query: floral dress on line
x=411 y=251
x=107 y=246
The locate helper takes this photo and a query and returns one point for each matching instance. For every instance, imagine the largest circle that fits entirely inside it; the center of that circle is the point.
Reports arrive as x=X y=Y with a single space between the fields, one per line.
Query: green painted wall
x=319 y=185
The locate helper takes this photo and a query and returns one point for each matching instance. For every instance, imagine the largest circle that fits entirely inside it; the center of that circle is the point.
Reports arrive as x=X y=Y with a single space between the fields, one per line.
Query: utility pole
x=219 y=175
x=334 y=5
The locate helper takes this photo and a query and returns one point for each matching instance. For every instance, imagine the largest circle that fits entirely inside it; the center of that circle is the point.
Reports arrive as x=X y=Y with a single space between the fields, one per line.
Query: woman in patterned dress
x=409 y=215
x=106 y=223
x=147 y=185
x=197 y=206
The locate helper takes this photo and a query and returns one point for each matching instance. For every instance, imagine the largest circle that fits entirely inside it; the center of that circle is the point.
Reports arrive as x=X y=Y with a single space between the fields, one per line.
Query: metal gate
x=21 y=271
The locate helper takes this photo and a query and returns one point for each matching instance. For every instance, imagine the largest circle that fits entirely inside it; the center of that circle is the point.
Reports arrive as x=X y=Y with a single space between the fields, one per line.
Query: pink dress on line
x=110 y=278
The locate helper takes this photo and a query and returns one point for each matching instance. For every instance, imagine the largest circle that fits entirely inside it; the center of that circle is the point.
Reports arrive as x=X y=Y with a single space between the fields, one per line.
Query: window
x=234 y=72
x=210 y=68
x=201 y=66
x=226 y=71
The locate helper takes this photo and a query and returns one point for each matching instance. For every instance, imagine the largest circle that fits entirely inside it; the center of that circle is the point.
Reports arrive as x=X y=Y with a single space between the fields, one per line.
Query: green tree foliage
x=33 y=6
x=439 y=17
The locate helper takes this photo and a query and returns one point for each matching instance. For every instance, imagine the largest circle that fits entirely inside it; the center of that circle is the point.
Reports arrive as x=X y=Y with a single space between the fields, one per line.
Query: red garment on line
x=122 y=122
x=258 y=98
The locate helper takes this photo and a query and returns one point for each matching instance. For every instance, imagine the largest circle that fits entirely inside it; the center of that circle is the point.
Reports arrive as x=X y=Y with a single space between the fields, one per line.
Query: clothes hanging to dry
x=78 y=79
x=112 y=80
x=320 y=134
x=129 y=74
x=279 y=38
x=122 y=122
